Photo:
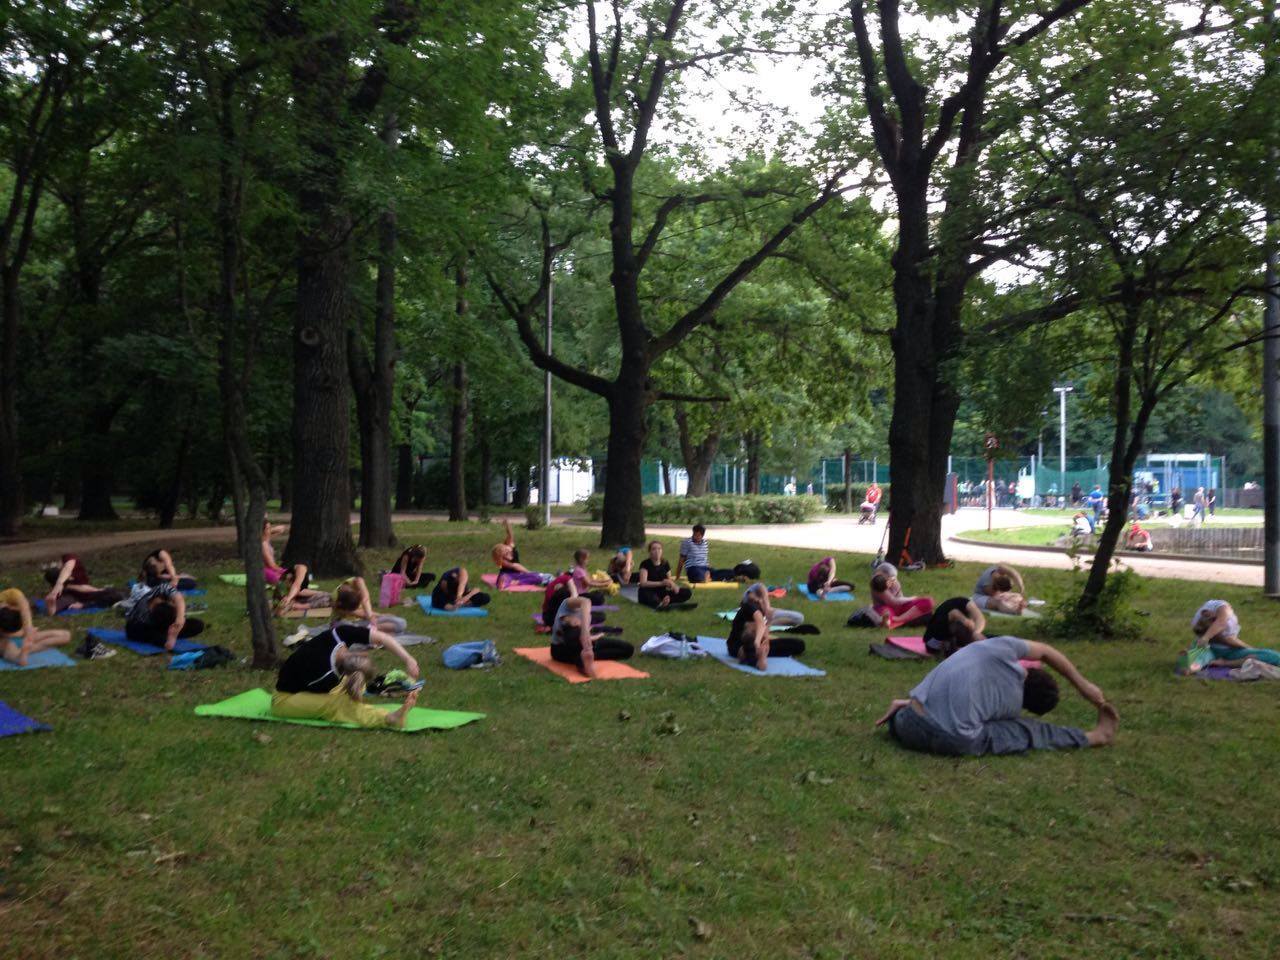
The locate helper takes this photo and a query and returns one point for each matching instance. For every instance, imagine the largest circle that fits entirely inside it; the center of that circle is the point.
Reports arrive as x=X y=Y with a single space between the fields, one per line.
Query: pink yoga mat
x=606 y=669
x=916 y=645
x=492 y=580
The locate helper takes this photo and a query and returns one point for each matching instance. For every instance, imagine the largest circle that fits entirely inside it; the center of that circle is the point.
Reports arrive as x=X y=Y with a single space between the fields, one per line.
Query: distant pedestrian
x=1213 y=502
x=1097 y=500
x=1198 y=505
x=1075 y=494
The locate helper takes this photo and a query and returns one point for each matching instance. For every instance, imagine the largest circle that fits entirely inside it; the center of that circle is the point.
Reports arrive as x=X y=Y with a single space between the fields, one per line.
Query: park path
x=829 y=534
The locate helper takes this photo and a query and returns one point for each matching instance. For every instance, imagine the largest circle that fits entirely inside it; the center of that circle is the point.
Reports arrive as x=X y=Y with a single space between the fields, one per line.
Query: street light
x=1062 y=392
x=546 y=423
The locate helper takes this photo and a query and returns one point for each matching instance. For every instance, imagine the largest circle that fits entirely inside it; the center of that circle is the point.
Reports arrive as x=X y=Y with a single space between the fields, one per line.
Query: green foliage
x=720 y=509
x=533 y=517
x=1112 y=617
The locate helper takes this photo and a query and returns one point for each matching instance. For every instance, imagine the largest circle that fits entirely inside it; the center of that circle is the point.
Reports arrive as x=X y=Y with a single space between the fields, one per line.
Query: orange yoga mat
x=606 y=669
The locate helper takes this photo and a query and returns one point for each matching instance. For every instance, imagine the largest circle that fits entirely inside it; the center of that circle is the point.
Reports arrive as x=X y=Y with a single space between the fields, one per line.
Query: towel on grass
x=845 y=596
x=12 y=722
x=492 y=580
x=605 y=669
x=117 y=638
x=38 y=607
x=45 y=658
x=425 y=603
x=1027 y=614
x=778 y=666
x=256 y=705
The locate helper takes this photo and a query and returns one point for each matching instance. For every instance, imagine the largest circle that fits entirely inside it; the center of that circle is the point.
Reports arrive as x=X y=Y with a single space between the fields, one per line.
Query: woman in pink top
x=822 y=579
x=895 y=609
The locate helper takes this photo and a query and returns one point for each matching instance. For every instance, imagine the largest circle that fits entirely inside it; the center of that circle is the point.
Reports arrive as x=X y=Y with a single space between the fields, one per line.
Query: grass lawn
x=1046 y=536
x=573 y=821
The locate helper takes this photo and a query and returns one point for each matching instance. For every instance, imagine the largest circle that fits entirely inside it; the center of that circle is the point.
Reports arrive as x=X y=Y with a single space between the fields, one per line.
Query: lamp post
x=546 y=425
x=1062 y=392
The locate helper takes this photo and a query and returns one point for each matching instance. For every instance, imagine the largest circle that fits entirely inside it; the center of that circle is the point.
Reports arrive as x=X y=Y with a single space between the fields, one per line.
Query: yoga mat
x=718 y=585
x=889 y=651
x=492 y=580
x=606 y=669
x=1025 y=615
x=12 y=722
x=38 y=607
x=298 y=613
x=235 y=579
x=778 y=666
x=117 y=638
x=193 y=592
x=777 y=628
x=45 y=658
x=845 y=597
x=256 y=705
x=429 y=610
x=629 y=592
x=916 y=645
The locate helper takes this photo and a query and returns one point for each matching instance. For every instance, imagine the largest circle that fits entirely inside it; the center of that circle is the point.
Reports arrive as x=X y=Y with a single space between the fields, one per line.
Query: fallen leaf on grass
x=171 y=857
x=262 y=737
x=812 y=776
x=701 y=929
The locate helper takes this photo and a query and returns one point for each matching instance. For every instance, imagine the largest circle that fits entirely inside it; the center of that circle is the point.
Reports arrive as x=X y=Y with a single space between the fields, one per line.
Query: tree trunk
x=623 y=516
x=97 y=474
x=753 y=462
x=698 y=458
x=458 y=445
x=172 y=496
x=668 y=486
x=486 y=473
x=848 y=480
x=520 y=496
x=404 y=477
x=10 y=456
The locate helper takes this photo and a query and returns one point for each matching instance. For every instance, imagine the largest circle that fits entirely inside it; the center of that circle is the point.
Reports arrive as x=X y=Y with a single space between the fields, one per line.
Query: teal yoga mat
x=429 y=610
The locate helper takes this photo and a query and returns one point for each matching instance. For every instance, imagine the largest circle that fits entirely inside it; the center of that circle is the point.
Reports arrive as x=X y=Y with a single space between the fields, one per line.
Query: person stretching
x=325 y=679
x=292 y=589
x=71 y=589
x=620 y=567
x=351 y=601
x=19 y=638
x=510 y=570
x=822 y=579
x=749 y=638
x=409 y=566
x=158 y=616
x=971 y=704
x=158 y=568
x=657 y=587
x=1216 y=626
x=955 y=623
x=272 y=572
x=694 y=559
x=572 y=640
x=1000 y=590
x=451 y=591
x=892 y=607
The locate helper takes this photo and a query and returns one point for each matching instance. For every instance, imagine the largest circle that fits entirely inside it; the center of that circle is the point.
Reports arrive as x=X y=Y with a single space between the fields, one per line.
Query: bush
x=835 y=496
x=533 y=517
x=1113 y=617
x=719 y=509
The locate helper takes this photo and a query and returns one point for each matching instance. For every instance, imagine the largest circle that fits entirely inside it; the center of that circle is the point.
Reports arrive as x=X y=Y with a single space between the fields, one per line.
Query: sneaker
x=296 y=637
x=101 y=651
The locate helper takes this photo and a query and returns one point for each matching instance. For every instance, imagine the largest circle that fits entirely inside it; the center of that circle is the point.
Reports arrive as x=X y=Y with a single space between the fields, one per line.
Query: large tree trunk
x=97 y=472
x=486 y=473
x=622 y=522
x=458 y=445
x=172 y=496
x=753 y=462
x=520 y=496
x=848 y=480
x=10 y=465
x=404 y=477
x=698 y=457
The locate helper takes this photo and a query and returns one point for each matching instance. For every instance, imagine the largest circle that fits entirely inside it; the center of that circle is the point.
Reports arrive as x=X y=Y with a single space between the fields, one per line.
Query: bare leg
x=1104 y=733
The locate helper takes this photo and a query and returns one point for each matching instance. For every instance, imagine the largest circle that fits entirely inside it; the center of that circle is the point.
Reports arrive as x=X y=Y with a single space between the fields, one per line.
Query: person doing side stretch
x=324 y=679
x=971 y=704
x=158 y=568
x=510 y=569
x=892 y=607
x=71 y=589
x=451 y=591
x=657 y=587
x=158 y=616
x=749 y=637
x=19 y=638
x=955 y=623
x=409 y=565
x=572 y=640
x=1000 y=590
x=822 y=579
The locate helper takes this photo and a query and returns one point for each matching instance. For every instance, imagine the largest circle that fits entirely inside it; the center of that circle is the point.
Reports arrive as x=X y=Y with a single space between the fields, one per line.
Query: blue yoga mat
x=38 y=607
x=427 y=608
x=193 y=592
x=45 y=658
x=778 y=666
x=845 y=597
x=117 y=638
x=12 y=722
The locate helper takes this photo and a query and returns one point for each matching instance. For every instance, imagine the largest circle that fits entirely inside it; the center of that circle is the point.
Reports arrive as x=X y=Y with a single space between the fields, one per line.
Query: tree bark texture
x=404 y=477
x=458 y=412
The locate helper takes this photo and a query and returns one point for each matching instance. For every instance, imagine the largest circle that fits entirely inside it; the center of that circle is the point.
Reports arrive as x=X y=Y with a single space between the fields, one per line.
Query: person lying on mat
x=272 y=571
x=694 y=561
x=451 y=591
x=351 y=601
x=293 y=589
x=158 y=568
x=658 y=589
x=325 y=679
x=18 y=636
x=158 y=616
x=971 y=704
x=620 y=566
x=409 y=566
x=572 y=640
x=749 y=637
x=71 y=589
x=1216 y=626
x=1000 y=590
x=893 y=608
x=1138 y=538
x=822 y=579
x=955 y=623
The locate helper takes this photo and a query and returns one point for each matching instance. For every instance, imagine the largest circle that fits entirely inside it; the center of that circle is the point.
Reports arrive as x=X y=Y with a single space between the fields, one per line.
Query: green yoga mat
x=235 y=579
x=256 y=705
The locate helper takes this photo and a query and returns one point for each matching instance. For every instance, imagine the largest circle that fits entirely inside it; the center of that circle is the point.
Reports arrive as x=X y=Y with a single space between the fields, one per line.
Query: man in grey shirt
x=971 y=704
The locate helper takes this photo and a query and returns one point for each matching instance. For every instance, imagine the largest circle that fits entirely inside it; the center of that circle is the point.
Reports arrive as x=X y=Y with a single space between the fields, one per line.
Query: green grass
x=1043 y=536
x=568 y=824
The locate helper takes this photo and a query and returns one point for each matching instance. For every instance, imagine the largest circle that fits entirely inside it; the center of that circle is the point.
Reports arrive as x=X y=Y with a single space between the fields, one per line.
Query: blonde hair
x=356 y=671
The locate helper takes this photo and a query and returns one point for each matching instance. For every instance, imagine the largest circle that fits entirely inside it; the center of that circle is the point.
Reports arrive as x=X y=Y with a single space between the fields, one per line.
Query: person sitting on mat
x=870 y=504
x=158 y=616
x=71 y=589
x=451 y=591
x=758 y=594
x=293 y=590
x=955 y=623
x=272 y=571
x=749 y=638
x=1000 y=590
x=1216 y=626
x=351 y=601
x=694 y=560
x=325 y=679
x=971 y=704
x=892 y=607
x=822 y=579
x=510 y=570
x=158 y=568
x=620 y=567
x=1138 y=538
x=19 y=638
x=587 y=585
x=572 y=640
x=658 y=588
x=409 y=566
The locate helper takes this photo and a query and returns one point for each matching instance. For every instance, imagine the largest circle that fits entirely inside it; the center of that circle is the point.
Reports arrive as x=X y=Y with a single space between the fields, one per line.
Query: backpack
x=472 y=653
x=389 y=589
x=673 y=646
x=204 y=659
x=864 y=617
x=748 y=569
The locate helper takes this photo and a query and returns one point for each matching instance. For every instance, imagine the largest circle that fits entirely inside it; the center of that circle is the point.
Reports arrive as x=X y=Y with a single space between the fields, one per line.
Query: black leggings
x=652 y=596
x=778 y=647
x=441 y=598
x=104 y=597
x=815 y=587
x=158 y=636
x=606 y=648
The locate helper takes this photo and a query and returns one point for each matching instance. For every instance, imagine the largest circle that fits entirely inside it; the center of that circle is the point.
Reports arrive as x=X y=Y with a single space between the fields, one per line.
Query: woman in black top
x=451 y=591
x=955 y=623
x=325 y=678
x=409 y=566
x=657 y=588
x=749 y=637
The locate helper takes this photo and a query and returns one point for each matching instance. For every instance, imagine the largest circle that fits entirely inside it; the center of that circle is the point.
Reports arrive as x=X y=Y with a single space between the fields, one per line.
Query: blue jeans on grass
x=1015 y=735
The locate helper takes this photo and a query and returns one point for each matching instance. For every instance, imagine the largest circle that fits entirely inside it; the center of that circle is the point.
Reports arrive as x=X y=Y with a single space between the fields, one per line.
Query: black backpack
x=747 y=569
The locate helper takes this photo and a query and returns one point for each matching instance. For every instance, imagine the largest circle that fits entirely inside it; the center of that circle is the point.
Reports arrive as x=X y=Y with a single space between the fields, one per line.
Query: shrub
x=1113 y=617
x=533 y=517
x=719 y=509
x=835 y=496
